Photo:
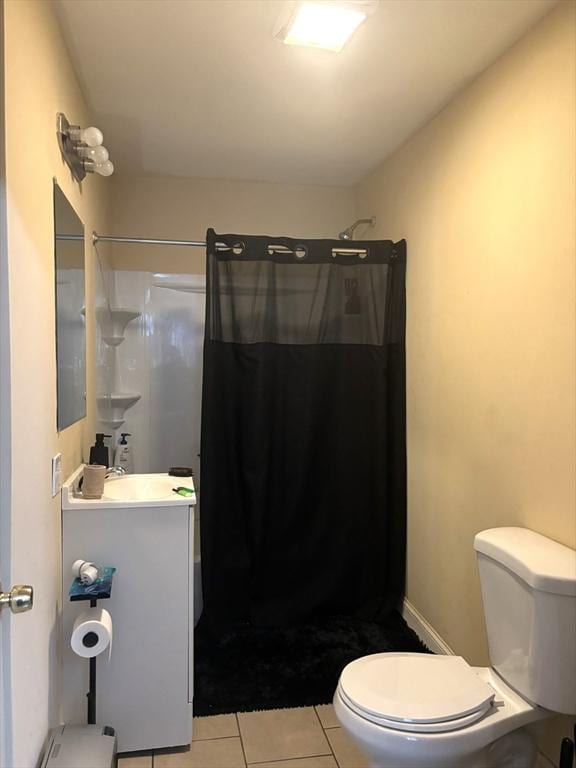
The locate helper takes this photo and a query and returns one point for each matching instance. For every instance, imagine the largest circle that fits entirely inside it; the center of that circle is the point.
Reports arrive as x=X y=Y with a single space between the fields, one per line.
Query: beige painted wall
x=485 y=195
x=182 y=208
x=39 y=83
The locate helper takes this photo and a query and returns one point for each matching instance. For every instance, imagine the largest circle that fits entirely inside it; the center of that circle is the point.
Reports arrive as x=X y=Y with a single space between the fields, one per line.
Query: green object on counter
x=183 y=491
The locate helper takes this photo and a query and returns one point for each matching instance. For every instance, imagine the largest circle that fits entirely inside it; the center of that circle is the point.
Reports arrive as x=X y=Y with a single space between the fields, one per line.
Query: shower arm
x=349 y=232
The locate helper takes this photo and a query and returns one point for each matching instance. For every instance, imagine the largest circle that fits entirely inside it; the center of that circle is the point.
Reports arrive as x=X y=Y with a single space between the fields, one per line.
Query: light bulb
x=92 y=136
x=96 y=154
x=105 y=169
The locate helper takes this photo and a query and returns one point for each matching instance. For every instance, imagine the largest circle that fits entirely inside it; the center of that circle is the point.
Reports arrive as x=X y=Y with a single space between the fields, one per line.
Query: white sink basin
x=144 y=487
x=154 y=490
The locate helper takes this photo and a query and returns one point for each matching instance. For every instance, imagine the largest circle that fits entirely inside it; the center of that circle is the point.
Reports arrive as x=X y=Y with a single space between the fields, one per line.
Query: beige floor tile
x=345 y=751
x=323 y=761
x=211 y=753
x=138 y=761
x=327 y=716
x=281 y=734
x=214 y=727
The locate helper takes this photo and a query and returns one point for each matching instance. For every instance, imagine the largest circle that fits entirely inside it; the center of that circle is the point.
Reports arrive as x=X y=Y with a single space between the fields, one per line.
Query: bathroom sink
x=144 y=487
x=152 y=490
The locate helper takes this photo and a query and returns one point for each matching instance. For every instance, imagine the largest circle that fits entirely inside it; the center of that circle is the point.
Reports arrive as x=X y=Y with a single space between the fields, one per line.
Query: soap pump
x=99 y=451
x=123 y=456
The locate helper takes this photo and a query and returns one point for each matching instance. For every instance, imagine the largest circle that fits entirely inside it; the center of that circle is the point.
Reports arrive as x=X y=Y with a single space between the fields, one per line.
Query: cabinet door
x=191 y=598
x=142 y=689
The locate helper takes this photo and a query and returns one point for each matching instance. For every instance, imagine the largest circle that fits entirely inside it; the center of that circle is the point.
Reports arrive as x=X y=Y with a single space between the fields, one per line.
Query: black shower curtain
x=303 y=456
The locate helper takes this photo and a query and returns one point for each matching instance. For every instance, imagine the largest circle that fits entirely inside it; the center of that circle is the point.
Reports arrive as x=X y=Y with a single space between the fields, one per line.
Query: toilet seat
x=415 y=692
x=439 y=727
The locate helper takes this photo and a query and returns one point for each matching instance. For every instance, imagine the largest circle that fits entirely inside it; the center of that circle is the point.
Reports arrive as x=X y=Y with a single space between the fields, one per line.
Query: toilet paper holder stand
x=99 y=590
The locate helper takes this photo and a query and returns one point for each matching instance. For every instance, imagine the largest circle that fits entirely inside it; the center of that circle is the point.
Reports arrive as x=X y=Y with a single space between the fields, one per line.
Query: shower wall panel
x=104 y=299
x=161 y=358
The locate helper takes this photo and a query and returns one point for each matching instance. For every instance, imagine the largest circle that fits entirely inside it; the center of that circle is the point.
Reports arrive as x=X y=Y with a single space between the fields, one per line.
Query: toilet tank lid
x=544 y=564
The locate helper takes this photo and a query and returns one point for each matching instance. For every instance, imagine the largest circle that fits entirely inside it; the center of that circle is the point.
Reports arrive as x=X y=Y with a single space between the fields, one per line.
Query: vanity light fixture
x=327 y=24
x=82 y=149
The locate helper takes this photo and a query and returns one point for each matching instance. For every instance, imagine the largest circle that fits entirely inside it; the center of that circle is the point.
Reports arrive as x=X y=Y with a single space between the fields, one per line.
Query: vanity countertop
x=150 y=490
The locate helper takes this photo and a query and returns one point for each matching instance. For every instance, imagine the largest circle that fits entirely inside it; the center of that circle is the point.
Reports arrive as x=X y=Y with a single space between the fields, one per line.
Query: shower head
x=349 y=232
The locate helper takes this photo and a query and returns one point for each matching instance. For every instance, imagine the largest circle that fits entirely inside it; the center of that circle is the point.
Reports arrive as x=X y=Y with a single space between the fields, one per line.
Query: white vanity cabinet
x=145 y=686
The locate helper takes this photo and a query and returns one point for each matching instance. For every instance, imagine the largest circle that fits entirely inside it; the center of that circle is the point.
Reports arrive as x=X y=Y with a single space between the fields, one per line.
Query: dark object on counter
x=180 y=472
x=99 y=451
x=566 y=753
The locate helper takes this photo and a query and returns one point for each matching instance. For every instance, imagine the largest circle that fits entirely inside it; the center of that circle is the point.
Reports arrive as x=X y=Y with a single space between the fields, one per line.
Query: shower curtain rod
x=96 y=238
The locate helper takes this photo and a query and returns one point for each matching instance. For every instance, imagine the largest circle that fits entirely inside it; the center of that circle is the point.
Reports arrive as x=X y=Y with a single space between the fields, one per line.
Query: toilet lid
x=415 y=688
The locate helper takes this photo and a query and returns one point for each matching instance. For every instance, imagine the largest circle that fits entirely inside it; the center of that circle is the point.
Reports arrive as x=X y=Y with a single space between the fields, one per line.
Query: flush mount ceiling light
x=82 y=149
x=327 y=24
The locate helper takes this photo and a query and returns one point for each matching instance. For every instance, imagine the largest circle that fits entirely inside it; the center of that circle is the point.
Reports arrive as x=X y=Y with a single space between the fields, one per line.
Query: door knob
x=19 y=599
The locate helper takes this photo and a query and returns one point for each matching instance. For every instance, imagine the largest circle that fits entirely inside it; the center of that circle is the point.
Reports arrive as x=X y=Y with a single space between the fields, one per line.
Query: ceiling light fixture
x=326 y=24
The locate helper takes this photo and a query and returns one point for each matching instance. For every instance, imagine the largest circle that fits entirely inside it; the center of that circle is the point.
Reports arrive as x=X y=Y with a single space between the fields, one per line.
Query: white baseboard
x=437 y=644
x=424 y=630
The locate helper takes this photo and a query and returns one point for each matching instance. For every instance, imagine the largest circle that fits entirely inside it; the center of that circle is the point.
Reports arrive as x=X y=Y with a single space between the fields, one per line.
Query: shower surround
x=160 y=359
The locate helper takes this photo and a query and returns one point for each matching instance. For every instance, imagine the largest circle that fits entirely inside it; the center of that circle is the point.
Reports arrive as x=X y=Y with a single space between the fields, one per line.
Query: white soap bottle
x=124 y=453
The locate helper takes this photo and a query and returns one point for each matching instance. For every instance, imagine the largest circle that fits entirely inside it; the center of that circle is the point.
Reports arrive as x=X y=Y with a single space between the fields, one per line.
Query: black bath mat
x=245 y=668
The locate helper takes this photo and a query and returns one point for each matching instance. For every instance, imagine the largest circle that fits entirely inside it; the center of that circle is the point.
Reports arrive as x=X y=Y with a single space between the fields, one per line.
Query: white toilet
x=411 y=710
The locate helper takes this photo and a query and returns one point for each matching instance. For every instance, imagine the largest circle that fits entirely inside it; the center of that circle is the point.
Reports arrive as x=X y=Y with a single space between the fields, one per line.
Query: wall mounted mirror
x=70 y=311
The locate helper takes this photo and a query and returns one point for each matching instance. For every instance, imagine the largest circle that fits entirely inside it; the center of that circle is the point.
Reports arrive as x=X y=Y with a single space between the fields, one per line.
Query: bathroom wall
x=184 y=208
x=39 y=82
x=485 y=195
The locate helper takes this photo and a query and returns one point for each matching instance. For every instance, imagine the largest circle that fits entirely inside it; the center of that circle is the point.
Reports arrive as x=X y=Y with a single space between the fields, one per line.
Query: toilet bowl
x=453 y=716
x=407 y=710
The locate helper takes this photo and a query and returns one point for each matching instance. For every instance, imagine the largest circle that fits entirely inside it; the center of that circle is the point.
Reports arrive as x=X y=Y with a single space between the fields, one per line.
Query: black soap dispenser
x=99 y=451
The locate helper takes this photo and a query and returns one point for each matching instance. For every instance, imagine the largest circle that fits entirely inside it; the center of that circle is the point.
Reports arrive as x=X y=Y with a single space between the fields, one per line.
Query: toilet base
x=515 y=750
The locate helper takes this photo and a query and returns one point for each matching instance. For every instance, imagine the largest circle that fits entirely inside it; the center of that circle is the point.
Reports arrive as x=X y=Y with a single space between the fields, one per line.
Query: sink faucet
x=115 y=472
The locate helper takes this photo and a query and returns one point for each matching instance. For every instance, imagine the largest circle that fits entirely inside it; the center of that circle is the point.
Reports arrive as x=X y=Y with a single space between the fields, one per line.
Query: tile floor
x=306 y=737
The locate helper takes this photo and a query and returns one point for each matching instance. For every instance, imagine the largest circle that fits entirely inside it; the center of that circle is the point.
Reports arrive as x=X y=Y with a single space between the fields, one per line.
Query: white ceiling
x=202 y=88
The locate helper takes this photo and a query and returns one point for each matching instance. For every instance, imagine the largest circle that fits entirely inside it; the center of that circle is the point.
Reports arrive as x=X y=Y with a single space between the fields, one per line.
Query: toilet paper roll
x=92 y=633
x=89 y=574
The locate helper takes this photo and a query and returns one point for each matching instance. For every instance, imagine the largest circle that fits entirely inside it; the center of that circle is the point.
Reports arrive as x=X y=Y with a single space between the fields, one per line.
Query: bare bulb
x=96 y=154
x=105 y=169
x=92 y=136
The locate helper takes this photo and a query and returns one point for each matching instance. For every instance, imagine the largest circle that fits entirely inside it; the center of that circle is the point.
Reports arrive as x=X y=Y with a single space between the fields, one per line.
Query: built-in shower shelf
x=112 y=423
x=112 y=407
x=113 y=323
x=113 y=341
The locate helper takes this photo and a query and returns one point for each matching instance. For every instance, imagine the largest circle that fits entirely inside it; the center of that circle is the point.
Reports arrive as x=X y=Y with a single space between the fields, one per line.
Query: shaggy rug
x=246 y=668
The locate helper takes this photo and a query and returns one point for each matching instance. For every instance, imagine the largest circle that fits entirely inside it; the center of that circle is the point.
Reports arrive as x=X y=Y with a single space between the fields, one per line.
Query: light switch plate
x=56 y=474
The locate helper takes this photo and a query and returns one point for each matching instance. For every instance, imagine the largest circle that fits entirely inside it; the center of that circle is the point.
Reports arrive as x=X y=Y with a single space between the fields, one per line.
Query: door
x=4 y=400
x=19 y=598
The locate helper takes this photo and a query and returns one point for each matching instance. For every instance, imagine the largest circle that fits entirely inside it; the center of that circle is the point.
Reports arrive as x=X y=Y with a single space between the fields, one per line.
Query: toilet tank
x=529 y=593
